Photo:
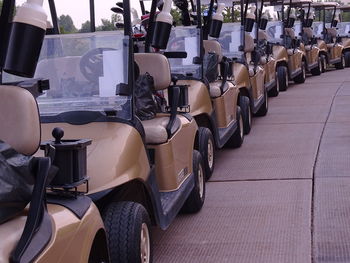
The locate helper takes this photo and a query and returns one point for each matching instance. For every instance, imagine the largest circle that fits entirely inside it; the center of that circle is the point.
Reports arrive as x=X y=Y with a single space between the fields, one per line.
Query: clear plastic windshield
x=344 y=29
x=298 y=27
x=185 y=39
x=274 y=31
x=317 y=28
x=84 y=71
x=231 y=39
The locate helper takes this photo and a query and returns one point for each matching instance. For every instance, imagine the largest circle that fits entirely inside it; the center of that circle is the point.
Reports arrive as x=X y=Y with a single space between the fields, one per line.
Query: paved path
x=284 y=196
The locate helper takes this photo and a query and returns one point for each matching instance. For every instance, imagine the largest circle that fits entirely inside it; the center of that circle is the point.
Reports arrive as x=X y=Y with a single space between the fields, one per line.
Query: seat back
x=249 y=43
x=213 y=46
x=332 y=31
x=19 y=118
x=262 y=35
x=308 y=32
x=157 y=65
x=290 y=32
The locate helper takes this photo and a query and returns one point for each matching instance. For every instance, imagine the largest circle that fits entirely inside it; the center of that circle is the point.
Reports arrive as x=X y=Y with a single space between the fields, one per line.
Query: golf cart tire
x=123 y=222
x=244 y=104
x=264 y=108
x=237 y=138
x=302 y=75
x=275 y=90
x=282 y=78
x=195 y=200
x=347 y=58
x=341 y=64
x=323 y=63
x=318 y=70
x=204 y=138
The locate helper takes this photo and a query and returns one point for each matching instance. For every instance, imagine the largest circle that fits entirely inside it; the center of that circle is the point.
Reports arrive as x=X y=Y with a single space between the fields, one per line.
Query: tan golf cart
x=329 y=43
x=248 y=74
x=344 y=32
x=141 y=172
x=58 y=226
x=213 y=98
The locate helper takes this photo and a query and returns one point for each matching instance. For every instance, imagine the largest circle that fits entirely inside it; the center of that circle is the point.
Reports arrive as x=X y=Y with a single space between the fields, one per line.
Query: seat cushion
x=155 y=129
x=215 y=90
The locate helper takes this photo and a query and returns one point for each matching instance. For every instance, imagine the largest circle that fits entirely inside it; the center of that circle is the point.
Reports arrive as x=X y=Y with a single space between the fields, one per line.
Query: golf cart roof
x=345 y=8
x=325 y=4
x=298 y=2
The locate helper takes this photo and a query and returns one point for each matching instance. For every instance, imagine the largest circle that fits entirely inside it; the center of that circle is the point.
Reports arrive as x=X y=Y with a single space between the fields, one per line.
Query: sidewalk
x=262 y=203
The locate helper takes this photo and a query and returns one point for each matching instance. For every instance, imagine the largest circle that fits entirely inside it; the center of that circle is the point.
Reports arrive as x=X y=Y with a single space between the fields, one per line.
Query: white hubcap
x=210 y=153
x=145 y=244
x=200 y=181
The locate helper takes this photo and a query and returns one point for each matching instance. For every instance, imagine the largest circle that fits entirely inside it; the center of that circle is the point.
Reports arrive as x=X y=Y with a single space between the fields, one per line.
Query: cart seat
x=157 y=65
x=215 y=88
x=331 y=45
x=214 y=47
x=332 y=31
x=155 y=129
x=290 y=32
x=19 y=118
x=263 y=35
x=308 y=32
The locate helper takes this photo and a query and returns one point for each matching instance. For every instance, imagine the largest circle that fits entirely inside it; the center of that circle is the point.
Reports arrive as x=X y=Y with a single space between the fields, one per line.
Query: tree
x=66 y=24
x=0 y=5
x=109 y=25
x=85 y=27
x=175 y=12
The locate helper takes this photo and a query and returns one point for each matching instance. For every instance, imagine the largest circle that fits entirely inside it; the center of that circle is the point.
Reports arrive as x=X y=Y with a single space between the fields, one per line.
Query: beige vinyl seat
x=158 y=67
x=20 y=128
x=213 y=46
x=248 y=49
x=19 y=118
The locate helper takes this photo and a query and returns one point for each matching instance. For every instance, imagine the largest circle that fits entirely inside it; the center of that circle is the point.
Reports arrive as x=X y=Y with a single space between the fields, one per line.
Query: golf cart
x=57 y=226
x=328 y=41
x=213 y=98
x=249 y=75
x=344 y=32
x=141 y=172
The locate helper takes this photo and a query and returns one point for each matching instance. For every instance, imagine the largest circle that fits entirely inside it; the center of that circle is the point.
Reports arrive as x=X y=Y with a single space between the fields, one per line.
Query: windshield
x=344 y=28
x=318 y=28
x=231 y=39
x=274 y=25
x=83 y=70
x=185 y=39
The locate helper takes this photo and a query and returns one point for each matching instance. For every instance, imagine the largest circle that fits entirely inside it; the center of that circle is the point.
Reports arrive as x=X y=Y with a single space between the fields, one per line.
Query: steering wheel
x=91 y=64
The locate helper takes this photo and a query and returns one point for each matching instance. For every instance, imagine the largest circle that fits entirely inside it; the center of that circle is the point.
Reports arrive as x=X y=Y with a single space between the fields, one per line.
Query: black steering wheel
x=91 y=64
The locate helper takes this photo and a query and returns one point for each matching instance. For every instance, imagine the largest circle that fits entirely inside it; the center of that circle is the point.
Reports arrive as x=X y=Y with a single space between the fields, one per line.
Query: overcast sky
x=79 y=9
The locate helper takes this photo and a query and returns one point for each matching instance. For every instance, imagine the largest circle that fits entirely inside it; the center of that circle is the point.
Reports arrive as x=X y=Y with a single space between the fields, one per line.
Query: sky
x=79 y=9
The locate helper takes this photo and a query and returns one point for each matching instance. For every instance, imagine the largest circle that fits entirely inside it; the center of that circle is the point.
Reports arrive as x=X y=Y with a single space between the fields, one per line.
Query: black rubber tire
x=237 y=138
x=276 y=89
x=341 y=64
x=264 y=108
x=195 y=200
x=282 y=77
x=323 y=63
x=302 y=75
x=347 y=58
x=318 y=70
x=244 y=104
x=123 y=222
x=204 y=138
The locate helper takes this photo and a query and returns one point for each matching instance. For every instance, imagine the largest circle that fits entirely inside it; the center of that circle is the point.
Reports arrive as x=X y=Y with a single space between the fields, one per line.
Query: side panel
x=270 y=71
x=198 y=97
x=241 y=75
x=258 y=86
x=336 y=51
x=226 y=107
x=345 y=42
x=294 y=62
x=279 y=53
x=312 y=55
x=73 y=238
x=117 y=153
x=174 y=158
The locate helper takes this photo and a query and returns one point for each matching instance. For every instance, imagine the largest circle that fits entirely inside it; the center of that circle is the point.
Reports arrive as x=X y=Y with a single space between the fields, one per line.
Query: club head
x=117 y=10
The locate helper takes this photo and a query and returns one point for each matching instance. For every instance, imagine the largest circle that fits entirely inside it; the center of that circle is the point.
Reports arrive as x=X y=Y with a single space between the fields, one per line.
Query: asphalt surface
x=284 y=196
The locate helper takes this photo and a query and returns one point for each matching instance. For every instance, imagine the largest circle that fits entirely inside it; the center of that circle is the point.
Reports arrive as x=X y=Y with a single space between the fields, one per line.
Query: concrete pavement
x=284 y=196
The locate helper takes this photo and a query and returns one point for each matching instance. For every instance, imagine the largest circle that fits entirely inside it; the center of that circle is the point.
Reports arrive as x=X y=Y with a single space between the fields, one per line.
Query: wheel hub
x=145 y=244
x=210 y=153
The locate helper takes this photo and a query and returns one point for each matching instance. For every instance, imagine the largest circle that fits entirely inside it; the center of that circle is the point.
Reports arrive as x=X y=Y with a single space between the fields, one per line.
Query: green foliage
x=109 y=25
x=66 y=24
x=85 y=27
x=0 y=5
x=175 y=12
x=228 y=15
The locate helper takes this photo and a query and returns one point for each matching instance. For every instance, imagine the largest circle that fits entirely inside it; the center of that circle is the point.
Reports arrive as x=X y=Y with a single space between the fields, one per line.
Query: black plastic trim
x=78 y=206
